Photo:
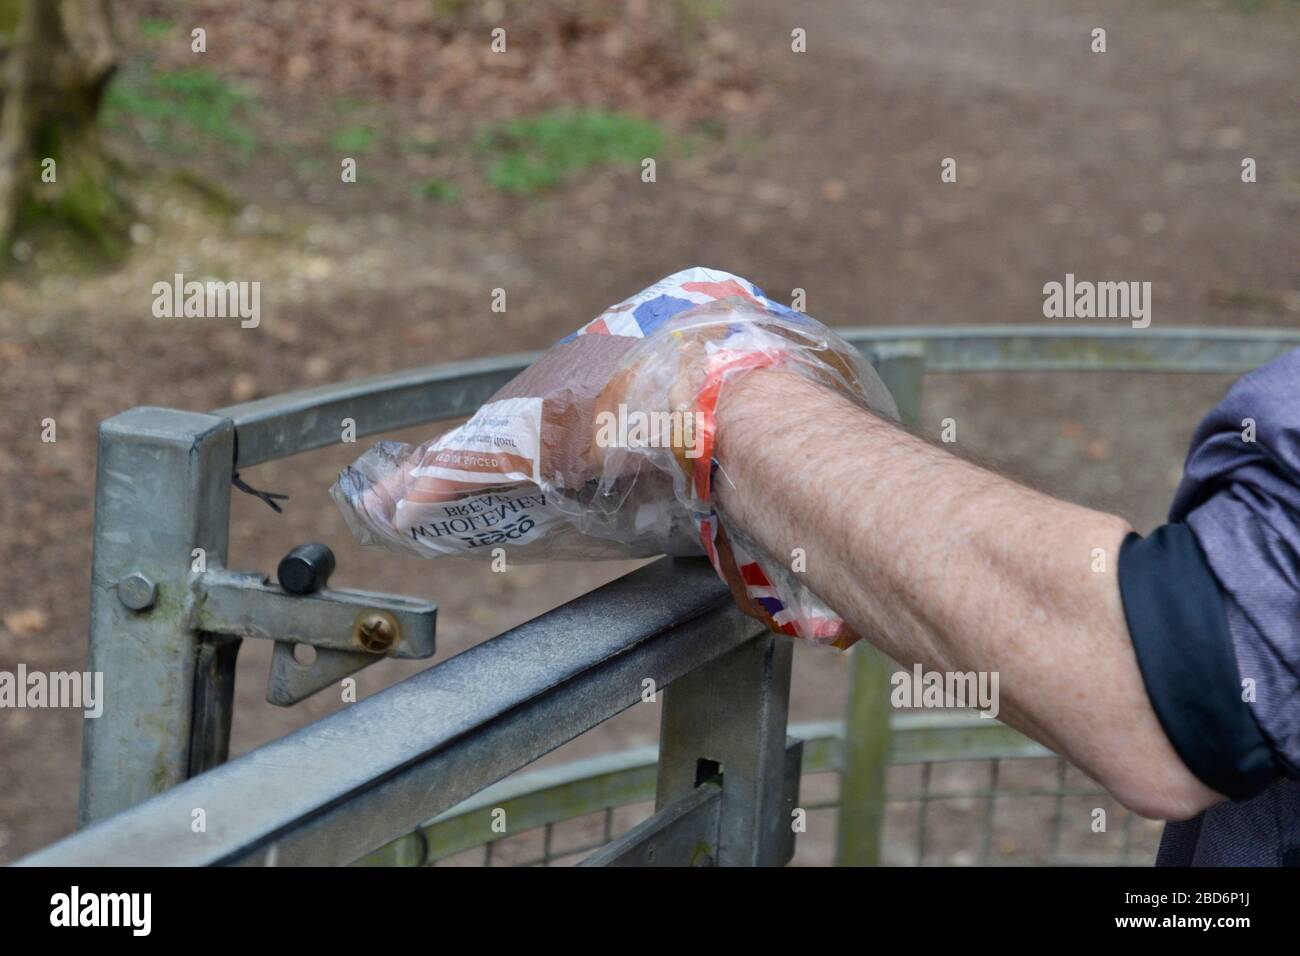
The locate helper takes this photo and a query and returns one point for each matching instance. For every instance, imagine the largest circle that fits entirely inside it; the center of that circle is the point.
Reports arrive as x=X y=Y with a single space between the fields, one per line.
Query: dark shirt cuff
x=1179 y=630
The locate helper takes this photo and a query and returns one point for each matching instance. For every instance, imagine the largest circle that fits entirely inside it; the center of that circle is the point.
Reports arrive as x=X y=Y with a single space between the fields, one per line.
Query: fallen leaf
x=26 y=622
x=242 y=387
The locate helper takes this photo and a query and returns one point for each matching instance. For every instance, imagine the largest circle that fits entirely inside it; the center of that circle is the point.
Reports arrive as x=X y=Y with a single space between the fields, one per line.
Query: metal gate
x=394 y=778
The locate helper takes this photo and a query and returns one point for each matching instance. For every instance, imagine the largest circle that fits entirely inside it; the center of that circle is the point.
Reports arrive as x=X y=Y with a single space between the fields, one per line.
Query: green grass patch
x=542 y=152
x=180 y=110
x=354 y=140
x=154 y=28
x=438 y=190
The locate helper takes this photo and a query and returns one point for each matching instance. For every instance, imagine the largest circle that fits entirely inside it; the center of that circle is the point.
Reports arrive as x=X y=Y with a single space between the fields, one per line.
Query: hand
x=544 y=444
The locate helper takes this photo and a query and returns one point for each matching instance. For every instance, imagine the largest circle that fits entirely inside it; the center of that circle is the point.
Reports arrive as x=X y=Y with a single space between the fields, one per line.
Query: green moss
x=10 y=12
x=85 y=197
x=88 y=208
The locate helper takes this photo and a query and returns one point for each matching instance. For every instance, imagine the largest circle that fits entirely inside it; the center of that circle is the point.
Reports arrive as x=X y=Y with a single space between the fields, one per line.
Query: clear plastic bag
x=604 y=447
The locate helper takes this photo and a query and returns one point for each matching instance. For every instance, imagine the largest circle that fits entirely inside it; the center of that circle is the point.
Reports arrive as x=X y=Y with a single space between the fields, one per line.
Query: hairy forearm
x=940 y=562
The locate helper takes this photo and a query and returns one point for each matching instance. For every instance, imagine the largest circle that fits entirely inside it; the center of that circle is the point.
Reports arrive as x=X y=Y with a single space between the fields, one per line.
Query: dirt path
x=1123 y=165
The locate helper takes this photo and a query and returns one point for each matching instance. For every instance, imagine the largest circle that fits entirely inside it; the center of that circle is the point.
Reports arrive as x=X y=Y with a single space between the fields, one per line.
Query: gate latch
x=349 y=629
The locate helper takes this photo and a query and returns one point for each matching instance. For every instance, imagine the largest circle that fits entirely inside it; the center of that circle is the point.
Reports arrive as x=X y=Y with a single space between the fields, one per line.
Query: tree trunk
x=56 y=58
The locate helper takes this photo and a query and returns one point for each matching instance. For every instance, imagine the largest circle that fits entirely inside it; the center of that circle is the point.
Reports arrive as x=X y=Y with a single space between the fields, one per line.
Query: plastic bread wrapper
x=603 y=448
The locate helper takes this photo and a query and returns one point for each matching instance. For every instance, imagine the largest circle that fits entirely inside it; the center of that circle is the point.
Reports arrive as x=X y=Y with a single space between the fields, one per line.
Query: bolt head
x=137 y=592
x=376 y=631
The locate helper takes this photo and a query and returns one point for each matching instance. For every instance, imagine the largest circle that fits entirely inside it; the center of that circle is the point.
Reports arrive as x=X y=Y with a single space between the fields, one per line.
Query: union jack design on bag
x=644 y=312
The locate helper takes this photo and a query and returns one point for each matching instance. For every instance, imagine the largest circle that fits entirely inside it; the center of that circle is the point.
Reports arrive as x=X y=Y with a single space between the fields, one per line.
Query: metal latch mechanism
x=349 y=629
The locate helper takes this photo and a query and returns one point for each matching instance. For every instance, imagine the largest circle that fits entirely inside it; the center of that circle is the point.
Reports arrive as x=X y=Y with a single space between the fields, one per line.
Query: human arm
x=940 y=562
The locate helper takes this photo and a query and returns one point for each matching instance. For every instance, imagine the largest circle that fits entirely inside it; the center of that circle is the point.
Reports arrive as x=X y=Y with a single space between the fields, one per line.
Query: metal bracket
x=349 y=629
x=730 y=716
x=684 y=833
x=687 y=831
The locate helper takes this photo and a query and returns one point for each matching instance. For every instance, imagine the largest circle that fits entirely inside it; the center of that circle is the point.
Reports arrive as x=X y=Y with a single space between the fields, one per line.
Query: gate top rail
x=283 y=425
x=333 y=791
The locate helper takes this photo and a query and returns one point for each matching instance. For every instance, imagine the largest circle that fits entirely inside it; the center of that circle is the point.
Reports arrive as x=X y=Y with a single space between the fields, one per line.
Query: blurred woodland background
x=521 y=170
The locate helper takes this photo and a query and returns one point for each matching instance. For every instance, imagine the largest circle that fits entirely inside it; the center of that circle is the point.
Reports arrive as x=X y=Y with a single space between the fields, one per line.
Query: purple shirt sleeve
x=1240 y=494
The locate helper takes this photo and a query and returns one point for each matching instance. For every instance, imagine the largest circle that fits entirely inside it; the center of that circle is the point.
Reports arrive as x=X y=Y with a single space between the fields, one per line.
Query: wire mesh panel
x=961 y=792
x=1009 y=811
x=563 y=842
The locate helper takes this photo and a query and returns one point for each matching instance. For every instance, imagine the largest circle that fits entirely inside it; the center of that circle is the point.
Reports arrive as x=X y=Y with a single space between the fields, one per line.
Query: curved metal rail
x=281 y=425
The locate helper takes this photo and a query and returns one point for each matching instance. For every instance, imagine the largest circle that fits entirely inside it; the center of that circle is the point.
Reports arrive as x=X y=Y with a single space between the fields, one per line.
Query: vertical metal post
x=729 y=717
x=902 y=369
x=162 y=489
x=866 y=726
x=866 y=759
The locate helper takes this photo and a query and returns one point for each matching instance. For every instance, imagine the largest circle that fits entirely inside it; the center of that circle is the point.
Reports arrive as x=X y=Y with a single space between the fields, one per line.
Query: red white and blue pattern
x=644 y=312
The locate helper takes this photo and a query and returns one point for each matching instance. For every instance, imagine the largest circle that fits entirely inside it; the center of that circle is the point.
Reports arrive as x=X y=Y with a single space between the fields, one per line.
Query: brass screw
x=376 y=631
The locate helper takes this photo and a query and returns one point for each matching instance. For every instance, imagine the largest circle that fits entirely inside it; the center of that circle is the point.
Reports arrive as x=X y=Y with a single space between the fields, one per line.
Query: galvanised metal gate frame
x=167 y=619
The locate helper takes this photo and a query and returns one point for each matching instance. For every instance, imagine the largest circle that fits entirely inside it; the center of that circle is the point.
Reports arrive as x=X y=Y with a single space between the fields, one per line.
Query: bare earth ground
x=1116 y=166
